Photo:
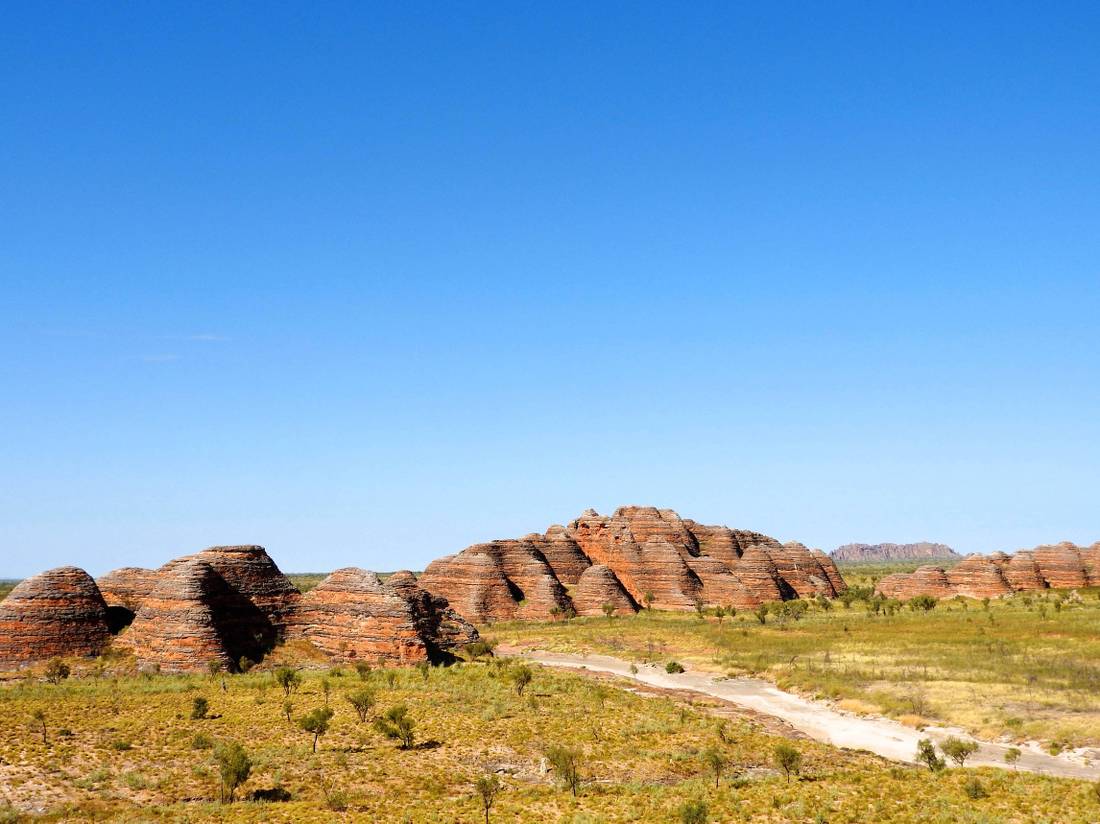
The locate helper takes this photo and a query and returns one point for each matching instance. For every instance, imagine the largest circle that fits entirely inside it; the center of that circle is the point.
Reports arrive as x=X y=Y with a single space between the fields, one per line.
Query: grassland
x=125 y=748
x=1025 y=667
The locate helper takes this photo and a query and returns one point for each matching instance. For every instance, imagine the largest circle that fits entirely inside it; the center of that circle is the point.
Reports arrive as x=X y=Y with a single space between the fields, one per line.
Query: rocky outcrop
x=252 y=572
x=127 y=587
x=599 y=586
x=978 y=576
x=920 y=551
x=194 y=617
x=562 y=553
x=443 y=630
x=801 y=570
x=837 y=581
x=58 y=613
x=353 y=616
x=1059 y=566
x=533 y=584
x=474 y=585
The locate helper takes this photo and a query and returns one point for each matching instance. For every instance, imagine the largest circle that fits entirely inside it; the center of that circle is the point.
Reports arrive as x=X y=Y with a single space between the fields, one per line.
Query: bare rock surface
x=598 y=586
x=353 y=616
x=57 y=613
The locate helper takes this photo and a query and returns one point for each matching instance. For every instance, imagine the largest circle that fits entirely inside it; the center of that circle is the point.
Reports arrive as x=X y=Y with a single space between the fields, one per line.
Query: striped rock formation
x=802 y=570
x=474 y=585
x=978 y=576
x=533 y=584
x=127 y=587
x=1058 y=566
x=562 y=553
x=442 y=629
x=194 y=617
x=57 y=613
x=353 y=616
x=837 y=581
x=252 y=572
x=599 y=586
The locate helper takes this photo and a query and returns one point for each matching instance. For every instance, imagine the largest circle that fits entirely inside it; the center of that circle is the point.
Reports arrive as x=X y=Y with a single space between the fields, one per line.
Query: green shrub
x=674 y=667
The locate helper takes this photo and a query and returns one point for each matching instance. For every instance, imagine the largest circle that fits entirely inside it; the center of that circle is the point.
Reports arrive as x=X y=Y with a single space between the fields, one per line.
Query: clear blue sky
x=367 y=284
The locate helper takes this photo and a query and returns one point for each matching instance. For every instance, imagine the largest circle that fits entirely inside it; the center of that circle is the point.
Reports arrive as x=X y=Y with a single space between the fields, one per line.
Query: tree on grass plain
x=565 y=762
x=199 y=707
x=716 y=762
x=316 y=723
x=694 y=812
x=487 y=787
x=1012 y=756
x=57 y=671
x=38 y=724
x=288 y=679
x=926 y=754
x=958 y=750
x=363 y=701
x=234 y=767
x=396 y=725
x=788 y=759
x=521 y=677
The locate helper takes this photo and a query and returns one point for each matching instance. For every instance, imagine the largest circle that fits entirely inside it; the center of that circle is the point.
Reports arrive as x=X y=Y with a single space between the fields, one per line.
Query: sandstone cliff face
x=1022 y=573
x=534 y=586
x=598 y=586
x=920 y=551
x=193 y=617
x=1061 y=566
x=801 y=570
x=352 y=616
x=252 y=572
x=836 y=580
x=58 y=613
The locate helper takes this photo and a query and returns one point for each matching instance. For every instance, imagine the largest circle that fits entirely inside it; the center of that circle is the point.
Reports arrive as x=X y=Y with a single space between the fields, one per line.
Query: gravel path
x=818 y=719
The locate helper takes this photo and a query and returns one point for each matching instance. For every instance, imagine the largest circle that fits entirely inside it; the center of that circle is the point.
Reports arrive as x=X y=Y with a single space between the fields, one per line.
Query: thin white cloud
x=159 y=358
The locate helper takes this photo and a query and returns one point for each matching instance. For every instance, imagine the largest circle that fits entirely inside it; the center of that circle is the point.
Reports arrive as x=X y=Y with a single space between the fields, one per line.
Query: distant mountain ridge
x=922 y=550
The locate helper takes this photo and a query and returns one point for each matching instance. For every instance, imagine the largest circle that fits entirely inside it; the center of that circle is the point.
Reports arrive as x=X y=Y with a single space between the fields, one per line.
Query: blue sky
x=367 y=284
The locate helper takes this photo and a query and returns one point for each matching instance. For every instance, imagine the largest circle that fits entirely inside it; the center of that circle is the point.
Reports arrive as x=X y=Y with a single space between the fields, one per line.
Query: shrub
x=974 y=789
x=761 y=613
x=199 y=708
x=1012 y=755
x=362 y=701
x=565 y=762
x=924 y=603
x=958 y=750
x=288 y=679
x=788 y=759
x=201 y=741
x=316 y=723
x=521 y=677
x=362 y=669
x=715 y=762
x=608 y=609
x=38 y=724
x=57 y=671
x=396 y=725
x=234 y=767
x=926 y=754
x=673 y=668
x=694 y=812
x=487 y=787
x=479 y=649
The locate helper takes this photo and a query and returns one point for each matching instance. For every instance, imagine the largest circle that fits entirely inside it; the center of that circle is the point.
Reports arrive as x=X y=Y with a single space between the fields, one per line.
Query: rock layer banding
x=655 y=558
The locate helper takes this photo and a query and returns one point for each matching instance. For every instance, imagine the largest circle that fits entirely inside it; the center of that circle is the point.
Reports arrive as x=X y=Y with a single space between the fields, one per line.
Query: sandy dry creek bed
x=817 y=719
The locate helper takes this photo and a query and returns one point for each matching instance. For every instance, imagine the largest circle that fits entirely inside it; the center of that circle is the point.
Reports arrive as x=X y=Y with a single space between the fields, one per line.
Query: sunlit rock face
x=58 y=613
x=598 y=587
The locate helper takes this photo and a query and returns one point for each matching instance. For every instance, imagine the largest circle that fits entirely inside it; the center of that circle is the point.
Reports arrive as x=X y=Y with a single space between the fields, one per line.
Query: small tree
x=958 y=750
x=214 y=667
x=788 y=759
x=700 y=609
x=363 y=702
x=38 y=723
x=316 y=723
x=288 y=708
x=761 y=613
x=487 y=787
x=521 y=677
x=716 y=762
x=425 y=670
x=565 y=762
x=199 y=708
x=57 y=671
x=719 y=613
x=926 y=754
x=396 y=725
x=694 y=812
x=234 y=767
x=924 y=603
x=1012 y=755
x=674 y=667
x=608 y=610
x=288 y=679
x=649 y=598
x=362 y=669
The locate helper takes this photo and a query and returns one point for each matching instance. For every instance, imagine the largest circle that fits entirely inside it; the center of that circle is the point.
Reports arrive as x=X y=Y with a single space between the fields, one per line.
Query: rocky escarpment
x=656 y=557
x=598 y=589
x=920 y=551
x=1059 y=566
x=444 y=631
x=55 y=614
